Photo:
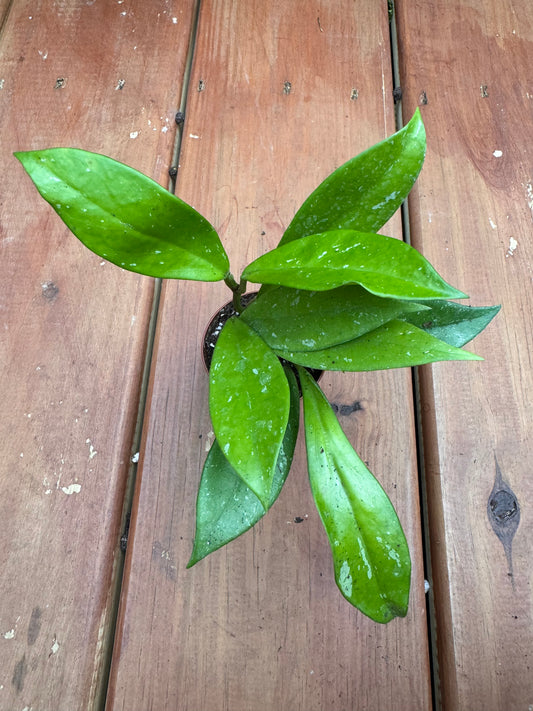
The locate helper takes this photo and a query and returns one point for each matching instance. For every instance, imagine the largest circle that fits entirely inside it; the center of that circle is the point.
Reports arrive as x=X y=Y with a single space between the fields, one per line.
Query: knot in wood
x=503 y=506
x=49 y=290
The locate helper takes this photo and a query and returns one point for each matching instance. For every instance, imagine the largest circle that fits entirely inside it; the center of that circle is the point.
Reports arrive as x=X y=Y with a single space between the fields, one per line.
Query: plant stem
x=230 y=281
x=237 y=304
x=237 y=289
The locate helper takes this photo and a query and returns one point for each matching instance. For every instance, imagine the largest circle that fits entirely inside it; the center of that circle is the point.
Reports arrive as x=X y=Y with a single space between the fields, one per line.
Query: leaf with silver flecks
x=370 y=554
x=367 y=190
x=125 y=217
x=226 y=507
x=396 y=344
x=249 y=402
x=455 y=324
x=383 y=265
x=300 y=320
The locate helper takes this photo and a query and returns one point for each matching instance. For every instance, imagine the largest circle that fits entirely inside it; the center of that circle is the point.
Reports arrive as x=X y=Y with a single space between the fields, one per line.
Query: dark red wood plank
x=468 y=67
x=72 y=333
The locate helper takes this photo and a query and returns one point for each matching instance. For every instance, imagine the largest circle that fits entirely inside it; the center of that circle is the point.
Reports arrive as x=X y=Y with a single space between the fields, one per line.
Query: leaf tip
x=264 y=498
x=21 y=156
x=416 y=126
x=472 y=356
x=392 y=611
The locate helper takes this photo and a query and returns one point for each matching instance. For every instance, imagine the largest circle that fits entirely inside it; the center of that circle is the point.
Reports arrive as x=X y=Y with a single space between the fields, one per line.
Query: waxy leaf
x=225 y=506
x=453 y=323
x=367 y=190
x=396 y=344
x=383 y=265
x=125 y=217
x=249 y=401
x=370 y=553
x=294 y=319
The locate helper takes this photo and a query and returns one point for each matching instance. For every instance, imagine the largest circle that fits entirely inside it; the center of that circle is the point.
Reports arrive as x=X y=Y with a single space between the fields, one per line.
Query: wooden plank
x=73 y=334
x=470 y=70
x=260 y=625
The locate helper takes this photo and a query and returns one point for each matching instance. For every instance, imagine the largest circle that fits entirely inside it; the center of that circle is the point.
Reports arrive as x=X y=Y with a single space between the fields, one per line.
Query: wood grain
x=72 y=333
x=281 y=94
x=4 y=6
x=469 y=69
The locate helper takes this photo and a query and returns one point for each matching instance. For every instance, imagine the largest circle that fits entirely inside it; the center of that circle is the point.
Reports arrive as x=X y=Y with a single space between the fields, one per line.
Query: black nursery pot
x=216 y=325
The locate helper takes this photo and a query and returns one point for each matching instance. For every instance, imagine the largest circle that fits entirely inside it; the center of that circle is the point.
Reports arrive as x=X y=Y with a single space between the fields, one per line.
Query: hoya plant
x=334 y=295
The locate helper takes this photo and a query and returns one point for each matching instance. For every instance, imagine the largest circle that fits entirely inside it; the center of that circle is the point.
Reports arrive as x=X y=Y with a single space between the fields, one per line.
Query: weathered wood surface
x=288 y=93
x=72 y=333
x=260 y=625
x=469 y=67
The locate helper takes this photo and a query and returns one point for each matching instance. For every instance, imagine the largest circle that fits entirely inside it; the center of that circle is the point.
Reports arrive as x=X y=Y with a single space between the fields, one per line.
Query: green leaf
x=225 y=506
x=249 y=401
x=294 y=319
x=125 y=217
x=383 y=265
x=396 y=344
x=370 y=553
x=452 y=323
x=367 y=190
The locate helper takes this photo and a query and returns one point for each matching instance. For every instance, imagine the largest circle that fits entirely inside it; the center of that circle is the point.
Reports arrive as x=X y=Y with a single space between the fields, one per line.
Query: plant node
x=237 y=289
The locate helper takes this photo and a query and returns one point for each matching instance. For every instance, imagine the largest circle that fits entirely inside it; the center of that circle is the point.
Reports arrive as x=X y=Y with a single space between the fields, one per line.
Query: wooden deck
x=279 y=94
